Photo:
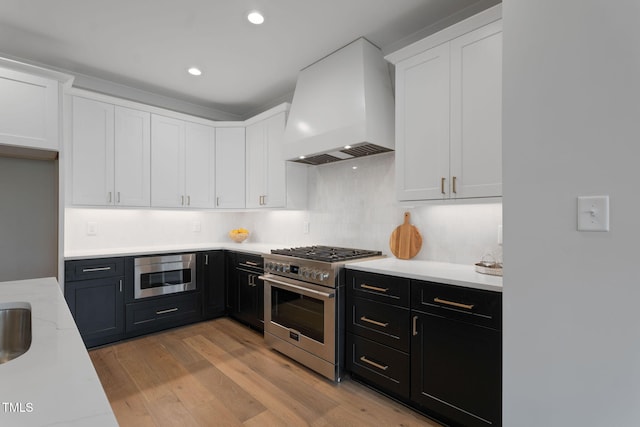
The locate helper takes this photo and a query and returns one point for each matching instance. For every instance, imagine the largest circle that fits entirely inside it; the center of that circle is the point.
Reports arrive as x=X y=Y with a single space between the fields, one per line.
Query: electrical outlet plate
x=92 y=228
x=593 y=213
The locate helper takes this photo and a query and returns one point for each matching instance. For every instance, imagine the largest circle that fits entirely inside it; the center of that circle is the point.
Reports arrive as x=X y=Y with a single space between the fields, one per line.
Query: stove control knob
x=323 y=275
x=314 y=274
x=285 y=268
x=270 y=266
x=306 y=273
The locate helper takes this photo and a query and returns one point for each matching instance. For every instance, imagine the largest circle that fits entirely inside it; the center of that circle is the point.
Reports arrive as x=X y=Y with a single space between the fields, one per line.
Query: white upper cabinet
x=92 y=152
x=230 y=167
x=182 y=163
x=167 y=162
x=28 y=110
x=132 y=157
x=110 y=155
x=476 y=112
x=200 y=161
x=272 y=182
x=422 y=125
x=449 y=112
x=265 y=163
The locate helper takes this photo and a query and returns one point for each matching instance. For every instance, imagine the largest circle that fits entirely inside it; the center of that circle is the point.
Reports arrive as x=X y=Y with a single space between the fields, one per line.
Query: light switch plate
x=593 y=213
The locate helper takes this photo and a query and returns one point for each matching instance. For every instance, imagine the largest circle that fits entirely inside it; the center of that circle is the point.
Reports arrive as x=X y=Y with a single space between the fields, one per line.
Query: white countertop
x=55 y=377
x=256 y=248
x=440 y=272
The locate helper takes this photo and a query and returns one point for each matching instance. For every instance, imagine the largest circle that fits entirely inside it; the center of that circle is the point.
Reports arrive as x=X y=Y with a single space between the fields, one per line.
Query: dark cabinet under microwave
x=162 y=275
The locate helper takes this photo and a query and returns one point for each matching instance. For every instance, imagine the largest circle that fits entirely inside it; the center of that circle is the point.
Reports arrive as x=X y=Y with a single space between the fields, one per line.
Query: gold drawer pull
x=373 y=288
x=375 y=322
x=454 y=304
x=372 y=363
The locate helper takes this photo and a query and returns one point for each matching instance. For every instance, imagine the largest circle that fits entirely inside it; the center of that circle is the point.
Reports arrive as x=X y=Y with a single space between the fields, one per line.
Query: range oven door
x=302 y=314
x=167 y=274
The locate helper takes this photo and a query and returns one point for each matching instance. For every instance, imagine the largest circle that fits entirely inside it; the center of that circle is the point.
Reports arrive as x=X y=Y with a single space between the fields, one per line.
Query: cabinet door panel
x=98 y=308
x=28 y=110
x=476 y=112
x=456 y=370
x=230 y=168
x=256 y=184
x=167 y=161
x=199 y=167
x=276 y=174
x=132 y=157
x=92 y=152
x=213 y=288
x=422 y=125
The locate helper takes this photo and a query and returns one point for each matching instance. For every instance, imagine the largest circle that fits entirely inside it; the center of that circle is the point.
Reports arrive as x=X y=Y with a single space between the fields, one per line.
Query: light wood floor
x=220 y=373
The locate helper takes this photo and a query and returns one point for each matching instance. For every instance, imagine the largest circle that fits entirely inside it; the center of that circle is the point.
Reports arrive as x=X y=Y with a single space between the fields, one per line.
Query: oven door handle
x=297 y=288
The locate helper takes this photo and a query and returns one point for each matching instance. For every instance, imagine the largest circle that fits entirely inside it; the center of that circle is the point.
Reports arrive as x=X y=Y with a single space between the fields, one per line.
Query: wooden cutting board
x=405 y=241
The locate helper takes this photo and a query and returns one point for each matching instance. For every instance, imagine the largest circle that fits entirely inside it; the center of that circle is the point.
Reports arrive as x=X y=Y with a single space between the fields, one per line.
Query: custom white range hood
x=342 y=107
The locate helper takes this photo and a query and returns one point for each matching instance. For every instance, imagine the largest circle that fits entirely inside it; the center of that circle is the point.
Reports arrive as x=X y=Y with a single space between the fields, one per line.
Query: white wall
x=28 y=219
x=348 y=207
x=571 y=126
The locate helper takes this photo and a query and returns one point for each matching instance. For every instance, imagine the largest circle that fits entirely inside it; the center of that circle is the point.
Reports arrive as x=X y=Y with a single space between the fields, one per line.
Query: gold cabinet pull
x=454 y=185
x=454 y=304
x=372 y=363
x=442 y=185
x=375 y=322
x=373 y=288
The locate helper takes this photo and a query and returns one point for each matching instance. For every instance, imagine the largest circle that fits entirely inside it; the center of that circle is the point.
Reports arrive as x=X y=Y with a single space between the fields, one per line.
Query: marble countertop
x=54 y=382
x=440 y=272
x=255 y=248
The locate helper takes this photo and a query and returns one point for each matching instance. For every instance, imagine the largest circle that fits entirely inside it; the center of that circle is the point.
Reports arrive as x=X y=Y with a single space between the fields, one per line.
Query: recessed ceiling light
x=255 y=17
x=301 y=157
x=194 y=71
x=346 y=147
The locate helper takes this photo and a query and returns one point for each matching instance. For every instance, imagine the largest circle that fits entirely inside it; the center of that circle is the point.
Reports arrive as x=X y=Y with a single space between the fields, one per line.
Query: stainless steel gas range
x=304 y=304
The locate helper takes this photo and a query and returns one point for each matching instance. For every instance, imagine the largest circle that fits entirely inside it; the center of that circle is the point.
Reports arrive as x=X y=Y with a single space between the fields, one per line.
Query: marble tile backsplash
x=351 y=203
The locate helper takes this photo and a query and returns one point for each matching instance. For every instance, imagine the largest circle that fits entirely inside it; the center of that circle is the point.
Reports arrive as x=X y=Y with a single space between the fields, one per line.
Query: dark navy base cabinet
x=94 y=290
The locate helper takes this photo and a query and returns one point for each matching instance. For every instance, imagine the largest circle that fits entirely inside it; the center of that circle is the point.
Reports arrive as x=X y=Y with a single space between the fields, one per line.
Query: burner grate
x=326 y=253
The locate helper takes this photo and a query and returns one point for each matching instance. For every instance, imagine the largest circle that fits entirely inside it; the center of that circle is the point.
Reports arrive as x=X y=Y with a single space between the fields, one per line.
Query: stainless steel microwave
x=166 y=274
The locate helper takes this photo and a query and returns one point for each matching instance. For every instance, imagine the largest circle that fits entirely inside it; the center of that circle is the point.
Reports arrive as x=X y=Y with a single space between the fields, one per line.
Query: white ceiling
x=149 y=44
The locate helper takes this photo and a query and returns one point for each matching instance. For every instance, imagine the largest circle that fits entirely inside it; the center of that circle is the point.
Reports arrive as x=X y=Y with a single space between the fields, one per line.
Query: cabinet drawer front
x=379 y=287
x=249 y=260
x=382 y=323
x=93 y=268
x=475 y=306
x=162 y=312
x=385 y=368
